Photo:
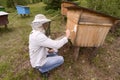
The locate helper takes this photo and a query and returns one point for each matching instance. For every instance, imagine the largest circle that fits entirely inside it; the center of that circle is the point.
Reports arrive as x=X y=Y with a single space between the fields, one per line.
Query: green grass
x=2 y=3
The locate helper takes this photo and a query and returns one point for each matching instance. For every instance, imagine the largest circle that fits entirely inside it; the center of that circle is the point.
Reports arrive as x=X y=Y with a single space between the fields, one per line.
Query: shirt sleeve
x=47 y=42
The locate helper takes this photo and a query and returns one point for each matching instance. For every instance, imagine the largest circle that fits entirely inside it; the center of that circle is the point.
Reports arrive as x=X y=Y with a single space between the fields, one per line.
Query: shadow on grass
x=25 y=16
x=5 y=30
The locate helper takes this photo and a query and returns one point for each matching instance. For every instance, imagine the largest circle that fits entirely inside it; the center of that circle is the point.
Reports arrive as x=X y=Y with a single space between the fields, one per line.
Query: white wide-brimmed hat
x=39 y=20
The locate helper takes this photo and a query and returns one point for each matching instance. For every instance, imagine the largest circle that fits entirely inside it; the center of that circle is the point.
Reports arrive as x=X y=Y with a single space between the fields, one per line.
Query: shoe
x=45 y=75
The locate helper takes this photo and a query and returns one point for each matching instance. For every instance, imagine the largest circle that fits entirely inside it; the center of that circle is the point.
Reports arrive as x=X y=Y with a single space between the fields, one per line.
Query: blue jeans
x=53 y=61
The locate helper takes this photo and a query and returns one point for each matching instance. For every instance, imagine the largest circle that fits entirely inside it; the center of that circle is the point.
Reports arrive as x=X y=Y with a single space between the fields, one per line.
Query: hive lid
x=22 y=6
x=3 y=13
x=70 y=2
x=90 y=10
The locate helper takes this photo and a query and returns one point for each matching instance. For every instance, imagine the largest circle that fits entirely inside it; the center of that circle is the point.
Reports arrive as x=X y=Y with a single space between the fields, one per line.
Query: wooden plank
x=92 y=28
x=73 y=20
x=64 y=9
x=97 y=24
x=4 y=20
x=71 y=25
x=76 y=53
x=91 y=36
x=96 y=18
x=77 y=30
x=105 y=30
x=73 y=16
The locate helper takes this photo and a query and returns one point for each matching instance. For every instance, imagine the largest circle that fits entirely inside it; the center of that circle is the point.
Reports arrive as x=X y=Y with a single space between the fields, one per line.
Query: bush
x=2 y=2
x=35 y=1
x=12 y=3
x=110 y=7
x=54 y=4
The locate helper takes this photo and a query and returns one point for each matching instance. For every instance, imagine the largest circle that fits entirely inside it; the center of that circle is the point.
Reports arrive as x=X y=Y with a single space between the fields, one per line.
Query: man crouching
x=43 y=50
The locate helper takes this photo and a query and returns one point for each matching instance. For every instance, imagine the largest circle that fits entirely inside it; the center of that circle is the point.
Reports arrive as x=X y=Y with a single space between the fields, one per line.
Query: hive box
x=88 y=28
x=3 y=18
x=23 y=10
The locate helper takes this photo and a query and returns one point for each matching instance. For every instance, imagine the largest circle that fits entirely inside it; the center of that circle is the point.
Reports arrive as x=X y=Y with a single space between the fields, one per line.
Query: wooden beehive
x=64 y=5
x=88 y=28
x=3 y=18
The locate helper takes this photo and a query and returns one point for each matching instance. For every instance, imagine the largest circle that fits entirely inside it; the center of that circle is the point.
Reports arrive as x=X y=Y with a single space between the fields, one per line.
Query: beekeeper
x=39 y=45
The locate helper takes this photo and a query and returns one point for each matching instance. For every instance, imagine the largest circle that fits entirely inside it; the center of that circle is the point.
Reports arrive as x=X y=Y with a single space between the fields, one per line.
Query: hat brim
x=42 y=21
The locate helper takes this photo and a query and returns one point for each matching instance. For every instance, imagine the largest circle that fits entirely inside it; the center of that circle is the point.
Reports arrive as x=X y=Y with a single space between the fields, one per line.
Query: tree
x=10 y=3
x=54 y=4
x=110 y=7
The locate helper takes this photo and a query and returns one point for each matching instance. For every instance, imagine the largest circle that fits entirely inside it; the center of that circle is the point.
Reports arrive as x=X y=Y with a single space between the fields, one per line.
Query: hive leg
x=21 y=15
x=76 y=53
x=95 y=50
x=5 y=26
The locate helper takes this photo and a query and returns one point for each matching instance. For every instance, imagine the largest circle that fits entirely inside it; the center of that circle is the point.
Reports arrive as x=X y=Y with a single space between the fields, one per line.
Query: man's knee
x=60 y=59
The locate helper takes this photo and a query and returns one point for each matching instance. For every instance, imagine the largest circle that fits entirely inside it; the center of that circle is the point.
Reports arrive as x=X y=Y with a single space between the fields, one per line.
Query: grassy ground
x=14 y=56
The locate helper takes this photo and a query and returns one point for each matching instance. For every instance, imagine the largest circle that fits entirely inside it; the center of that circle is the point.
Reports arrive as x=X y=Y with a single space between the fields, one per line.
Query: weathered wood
x=95 y=24
x=91 y=36
x=64 y=5
x=4 y=18
x=73 y=15
x=96 y=18
x=76 y=53
x=87 y=28
x=71 y=26
x=91 y=29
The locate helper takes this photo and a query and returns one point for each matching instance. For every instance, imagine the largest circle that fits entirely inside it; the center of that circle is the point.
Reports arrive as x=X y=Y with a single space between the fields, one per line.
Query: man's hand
x=51 y=51
x=67 y=33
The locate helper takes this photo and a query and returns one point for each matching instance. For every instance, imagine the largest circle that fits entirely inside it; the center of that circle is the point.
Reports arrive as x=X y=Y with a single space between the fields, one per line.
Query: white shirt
x=38 y=42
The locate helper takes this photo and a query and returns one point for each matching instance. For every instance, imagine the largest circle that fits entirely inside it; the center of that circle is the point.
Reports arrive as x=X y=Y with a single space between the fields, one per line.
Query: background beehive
x=3 y=18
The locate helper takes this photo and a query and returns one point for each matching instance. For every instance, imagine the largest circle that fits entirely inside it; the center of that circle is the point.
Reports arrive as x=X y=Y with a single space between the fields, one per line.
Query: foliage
x=110 y=7
x=35 y=1
x=54 y=4
x=2 y=2
x=12 y=3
